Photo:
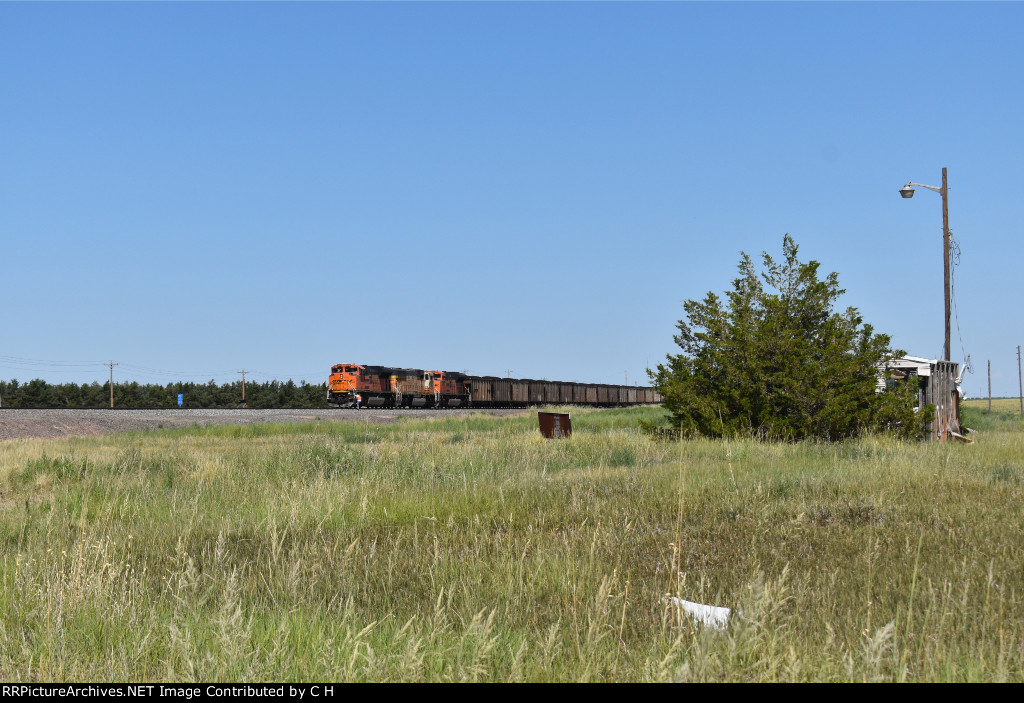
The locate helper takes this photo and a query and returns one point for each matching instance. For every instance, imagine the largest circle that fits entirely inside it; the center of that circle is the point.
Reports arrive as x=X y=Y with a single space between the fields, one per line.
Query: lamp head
x=906 y=191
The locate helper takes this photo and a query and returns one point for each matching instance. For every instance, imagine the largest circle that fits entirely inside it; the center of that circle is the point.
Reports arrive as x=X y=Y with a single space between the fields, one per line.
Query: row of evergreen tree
x=269 y=394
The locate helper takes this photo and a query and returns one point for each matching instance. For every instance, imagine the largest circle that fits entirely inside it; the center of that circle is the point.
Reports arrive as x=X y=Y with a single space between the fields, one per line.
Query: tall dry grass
x=470 y=549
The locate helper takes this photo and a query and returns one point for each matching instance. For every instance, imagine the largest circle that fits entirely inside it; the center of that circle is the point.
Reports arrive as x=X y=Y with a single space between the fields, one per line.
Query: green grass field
x=471 y=549
x=1009 y=406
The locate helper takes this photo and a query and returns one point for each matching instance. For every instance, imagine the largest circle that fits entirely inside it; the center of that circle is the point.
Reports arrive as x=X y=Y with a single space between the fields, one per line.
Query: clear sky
x=529 y=188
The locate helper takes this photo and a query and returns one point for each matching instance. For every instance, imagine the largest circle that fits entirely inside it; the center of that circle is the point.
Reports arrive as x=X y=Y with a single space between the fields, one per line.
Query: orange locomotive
x=354 y=385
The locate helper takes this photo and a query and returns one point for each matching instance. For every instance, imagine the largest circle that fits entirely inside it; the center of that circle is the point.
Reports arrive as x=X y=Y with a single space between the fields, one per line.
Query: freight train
x=355 y=385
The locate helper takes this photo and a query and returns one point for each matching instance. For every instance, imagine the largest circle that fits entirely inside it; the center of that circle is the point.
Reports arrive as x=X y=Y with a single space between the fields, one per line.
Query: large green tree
x=772 y=358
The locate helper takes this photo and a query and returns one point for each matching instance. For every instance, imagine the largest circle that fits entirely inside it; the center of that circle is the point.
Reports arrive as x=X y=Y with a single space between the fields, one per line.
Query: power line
x=72 y=366
x=26 y=363
x=955 y=255
x=42 y=363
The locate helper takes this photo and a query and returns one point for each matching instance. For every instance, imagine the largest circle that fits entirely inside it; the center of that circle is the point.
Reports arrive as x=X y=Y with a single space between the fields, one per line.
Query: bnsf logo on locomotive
x=358 y=386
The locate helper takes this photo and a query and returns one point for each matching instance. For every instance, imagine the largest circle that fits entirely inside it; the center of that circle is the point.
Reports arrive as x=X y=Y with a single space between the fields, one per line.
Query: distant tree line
x=269 y=394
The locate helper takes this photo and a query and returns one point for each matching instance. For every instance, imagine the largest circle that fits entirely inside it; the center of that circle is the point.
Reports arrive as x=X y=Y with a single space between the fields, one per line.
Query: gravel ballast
x=17 y=423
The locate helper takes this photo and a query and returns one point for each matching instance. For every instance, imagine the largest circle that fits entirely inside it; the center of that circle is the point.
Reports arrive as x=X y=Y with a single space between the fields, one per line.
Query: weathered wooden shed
x=937 y=384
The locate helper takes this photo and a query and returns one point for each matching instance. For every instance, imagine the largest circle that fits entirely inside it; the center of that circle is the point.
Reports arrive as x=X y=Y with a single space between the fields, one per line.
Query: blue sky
x=528 y=188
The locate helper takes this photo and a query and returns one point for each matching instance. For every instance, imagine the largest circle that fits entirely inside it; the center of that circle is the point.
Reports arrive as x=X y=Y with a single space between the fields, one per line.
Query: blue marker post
x=181 y=399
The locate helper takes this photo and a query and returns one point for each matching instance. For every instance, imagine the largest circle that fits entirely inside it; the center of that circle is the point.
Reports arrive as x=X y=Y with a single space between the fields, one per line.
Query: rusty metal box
x=554 y=425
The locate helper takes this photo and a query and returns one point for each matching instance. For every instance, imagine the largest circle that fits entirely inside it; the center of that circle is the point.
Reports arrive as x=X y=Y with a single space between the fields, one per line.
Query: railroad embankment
x=16 y=423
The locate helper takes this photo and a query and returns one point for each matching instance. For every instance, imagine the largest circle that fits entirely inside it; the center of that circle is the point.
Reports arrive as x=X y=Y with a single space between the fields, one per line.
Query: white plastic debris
x=708 y=615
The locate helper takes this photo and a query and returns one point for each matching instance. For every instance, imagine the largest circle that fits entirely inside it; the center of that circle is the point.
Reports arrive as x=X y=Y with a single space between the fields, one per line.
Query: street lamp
x=908 y=192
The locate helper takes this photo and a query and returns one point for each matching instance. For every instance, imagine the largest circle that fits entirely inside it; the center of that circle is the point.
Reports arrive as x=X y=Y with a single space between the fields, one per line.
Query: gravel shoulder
x=16 y=423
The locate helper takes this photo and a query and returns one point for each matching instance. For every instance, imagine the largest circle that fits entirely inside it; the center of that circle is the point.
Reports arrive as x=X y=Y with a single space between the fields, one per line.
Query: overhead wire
x=954 y=261
x=55 y=366
x=44 y=363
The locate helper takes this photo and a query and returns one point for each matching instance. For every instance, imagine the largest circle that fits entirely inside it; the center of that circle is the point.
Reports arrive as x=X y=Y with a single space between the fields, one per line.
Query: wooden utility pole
x=112 y=365
x=990 y=385
x=243 y=372
x=1020 y=385
x=945 y=253
x=908 y=192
